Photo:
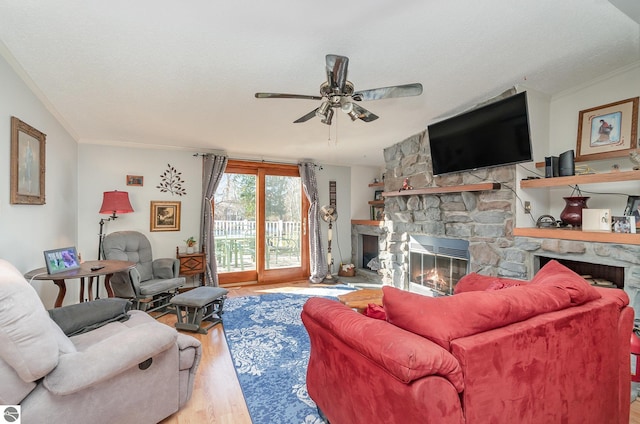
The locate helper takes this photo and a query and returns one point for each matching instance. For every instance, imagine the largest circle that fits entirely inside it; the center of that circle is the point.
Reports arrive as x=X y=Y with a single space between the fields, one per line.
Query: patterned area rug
x=270 y=350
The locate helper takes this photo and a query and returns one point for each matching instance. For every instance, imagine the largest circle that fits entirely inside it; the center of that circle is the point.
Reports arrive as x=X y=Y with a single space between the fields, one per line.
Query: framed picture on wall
x=608 y=131
x=165 y=216
x=135 y=180
x=27 y=164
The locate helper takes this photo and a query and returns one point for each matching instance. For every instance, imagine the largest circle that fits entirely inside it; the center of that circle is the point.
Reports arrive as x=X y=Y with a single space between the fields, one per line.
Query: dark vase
x=572 y=212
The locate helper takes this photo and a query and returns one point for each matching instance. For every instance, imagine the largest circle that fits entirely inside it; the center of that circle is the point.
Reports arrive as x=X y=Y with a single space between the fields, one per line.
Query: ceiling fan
x=336 y=92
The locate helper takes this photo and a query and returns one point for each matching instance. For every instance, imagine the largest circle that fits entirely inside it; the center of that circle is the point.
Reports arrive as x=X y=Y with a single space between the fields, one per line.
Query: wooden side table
x=192 y=264
x=88 y=269
x=360 y=299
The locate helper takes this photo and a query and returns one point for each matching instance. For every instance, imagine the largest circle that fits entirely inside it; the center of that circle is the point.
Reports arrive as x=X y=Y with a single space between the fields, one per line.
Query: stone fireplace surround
x=485 y=219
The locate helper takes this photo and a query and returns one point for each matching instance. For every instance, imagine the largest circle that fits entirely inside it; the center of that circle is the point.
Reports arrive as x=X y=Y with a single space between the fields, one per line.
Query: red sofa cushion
x=442 y=319
x=477 y=282
x=557 y=275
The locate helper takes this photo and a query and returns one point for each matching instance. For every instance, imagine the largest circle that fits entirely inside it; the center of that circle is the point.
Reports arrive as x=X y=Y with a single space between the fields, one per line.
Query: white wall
x=361 y=193
x=538 y=105
x=104 y=168
x=27 y=230
x=341 y=244
x=565 y=108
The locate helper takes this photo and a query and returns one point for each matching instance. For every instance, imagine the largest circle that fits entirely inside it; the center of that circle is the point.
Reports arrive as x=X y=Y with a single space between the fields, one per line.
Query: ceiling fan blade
x=306 y=117
x=337 y=67
x=286 y=96
x=364 y=114
x=406 y=90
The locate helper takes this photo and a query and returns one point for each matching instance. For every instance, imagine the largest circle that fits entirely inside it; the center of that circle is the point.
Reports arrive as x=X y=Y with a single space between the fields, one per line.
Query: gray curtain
x=318 y=262
x=213 y=166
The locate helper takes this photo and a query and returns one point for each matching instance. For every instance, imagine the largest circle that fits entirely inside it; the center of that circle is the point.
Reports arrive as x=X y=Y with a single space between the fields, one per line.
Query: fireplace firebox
x=436 y=264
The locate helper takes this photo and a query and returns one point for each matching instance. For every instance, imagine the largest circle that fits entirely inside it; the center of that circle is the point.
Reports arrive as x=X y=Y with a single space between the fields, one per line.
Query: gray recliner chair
x=151 y=283
x=121 y=366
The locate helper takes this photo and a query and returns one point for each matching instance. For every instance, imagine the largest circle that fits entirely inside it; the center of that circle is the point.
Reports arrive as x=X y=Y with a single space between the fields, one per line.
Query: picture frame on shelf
x=165 y=216
x=27 y=167
x=378 y=195
x=632 y=208
x=608 y=131
x=623 y=224
x=377 y=213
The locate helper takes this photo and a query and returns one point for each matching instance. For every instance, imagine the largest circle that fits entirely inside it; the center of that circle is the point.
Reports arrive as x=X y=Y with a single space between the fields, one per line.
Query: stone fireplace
x=436 y=264
x=483 y=219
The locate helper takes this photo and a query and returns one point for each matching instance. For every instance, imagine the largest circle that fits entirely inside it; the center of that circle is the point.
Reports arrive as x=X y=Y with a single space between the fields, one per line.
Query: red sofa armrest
x=405 y=355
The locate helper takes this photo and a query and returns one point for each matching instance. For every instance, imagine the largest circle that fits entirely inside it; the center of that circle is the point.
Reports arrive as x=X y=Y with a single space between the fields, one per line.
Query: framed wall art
x=608 y=131
x=135 y=180
x=27 y=164
x=165 y=216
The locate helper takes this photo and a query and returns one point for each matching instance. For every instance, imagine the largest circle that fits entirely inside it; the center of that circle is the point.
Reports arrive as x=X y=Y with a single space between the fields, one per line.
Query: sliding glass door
x=260 y=224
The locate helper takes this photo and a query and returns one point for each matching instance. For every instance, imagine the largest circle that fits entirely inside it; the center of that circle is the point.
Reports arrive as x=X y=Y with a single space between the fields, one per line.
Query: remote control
x=95 y=268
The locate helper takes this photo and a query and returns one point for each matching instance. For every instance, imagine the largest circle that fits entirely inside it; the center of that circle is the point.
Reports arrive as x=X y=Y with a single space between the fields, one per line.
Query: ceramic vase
x=572 y=212
x=190 y=250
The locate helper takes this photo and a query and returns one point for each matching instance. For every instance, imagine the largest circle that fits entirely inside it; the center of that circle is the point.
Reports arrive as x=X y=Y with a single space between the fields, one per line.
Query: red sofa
x=554 y=350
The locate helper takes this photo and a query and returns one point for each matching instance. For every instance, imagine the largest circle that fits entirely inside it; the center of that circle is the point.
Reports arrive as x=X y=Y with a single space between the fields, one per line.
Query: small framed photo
x=377 y=213
x=377 y=195
x=633 y=208
x=165 y=216
x=27 y=164
x=623 y=224
x=135 y=180
x=608 y=131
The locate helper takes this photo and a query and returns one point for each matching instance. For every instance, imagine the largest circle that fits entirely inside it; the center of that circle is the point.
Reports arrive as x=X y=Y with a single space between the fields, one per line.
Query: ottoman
x=197 y=305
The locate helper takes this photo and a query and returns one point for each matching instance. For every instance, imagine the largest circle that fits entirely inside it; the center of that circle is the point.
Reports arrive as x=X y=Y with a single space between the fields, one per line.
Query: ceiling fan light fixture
x=347 y=106
x=353 y=115
x=324 y=109
x=327 y=119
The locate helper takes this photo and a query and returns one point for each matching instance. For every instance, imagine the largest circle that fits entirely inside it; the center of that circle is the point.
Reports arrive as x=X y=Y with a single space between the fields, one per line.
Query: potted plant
x=191 y=242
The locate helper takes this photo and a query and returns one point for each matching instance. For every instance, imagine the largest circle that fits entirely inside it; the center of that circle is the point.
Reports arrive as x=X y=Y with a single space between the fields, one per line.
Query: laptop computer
x=61 y=260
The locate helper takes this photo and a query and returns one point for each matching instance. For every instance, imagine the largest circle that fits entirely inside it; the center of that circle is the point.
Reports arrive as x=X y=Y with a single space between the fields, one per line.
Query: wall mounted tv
x=492 y=135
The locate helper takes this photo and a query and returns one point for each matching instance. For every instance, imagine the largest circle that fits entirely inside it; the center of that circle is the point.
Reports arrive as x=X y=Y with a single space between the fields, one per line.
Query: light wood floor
x=217 y=397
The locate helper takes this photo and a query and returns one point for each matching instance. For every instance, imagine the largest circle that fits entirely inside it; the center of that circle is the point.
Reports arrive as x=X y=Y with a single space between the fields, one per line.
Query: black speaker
x=566 y=164
x=551 y=167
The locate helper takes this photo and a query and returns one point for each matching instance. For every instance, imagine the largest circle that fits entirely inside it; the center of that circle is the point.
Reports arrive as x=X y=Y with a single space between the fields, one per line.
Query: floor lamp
x=113 y=202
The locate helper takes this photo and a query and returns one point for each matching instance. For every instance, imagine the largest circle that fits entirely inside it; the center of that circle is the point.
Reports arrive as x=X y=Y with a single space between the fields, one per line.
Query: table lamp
x=113 y=202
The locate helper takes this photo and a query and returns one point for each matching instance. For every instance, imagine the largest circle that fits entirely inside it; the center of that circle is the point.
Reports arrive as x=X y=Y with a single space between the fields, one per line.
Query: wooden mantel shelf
x=578 y=235
x=447 y=189
x=607 y=177
x=366 y=222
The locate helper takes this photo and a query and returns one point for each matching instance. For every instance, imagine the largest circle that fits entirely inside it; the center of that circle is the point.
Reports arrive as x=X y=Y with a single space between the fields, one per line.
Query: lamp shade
x=114 y=202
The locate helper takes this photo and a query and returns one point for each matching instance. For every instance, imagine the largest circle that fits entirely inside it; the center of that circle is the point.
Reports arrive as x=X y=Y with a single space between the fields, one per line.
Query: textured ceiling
x=184 y=73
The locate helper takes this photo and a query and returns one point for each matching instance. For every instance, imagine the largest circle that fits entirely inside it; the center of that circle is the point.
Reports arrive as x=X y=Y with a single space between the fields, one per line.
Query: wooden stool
x=199 y=304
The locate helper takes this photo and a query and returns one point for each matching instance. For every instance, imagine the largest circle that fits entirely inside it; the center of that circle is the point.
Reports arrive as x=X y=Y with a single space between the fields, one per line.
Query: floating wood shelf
x=447 y=189
x=608 y=177
x=366 y=222
x=376 y=202
x=378 y=184
x=578 y=235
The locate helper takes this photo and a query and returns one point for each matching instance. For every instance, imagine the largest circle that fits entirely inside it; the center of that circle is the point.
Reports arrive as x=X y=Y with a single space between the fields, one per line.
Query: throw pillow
x=443 y=319
x=375 y=311
x=557 y=275
x=87 y=316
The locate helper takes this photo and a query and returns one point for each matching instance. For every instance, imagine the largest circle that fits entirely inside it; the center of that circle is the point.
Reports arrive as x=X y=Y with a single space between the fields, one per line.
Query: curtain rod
x=258 y=160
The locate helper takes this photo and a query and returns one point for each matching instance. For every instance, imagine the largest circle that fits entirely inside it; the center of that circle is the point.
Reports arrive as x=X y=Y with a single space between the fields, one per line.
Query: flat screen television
x=492 y=135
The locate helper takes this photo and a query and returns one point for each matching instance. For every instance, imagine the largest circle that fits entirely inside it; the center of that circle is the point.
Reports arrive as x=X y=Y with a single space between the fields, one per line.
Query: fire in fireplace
x=436 y=264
